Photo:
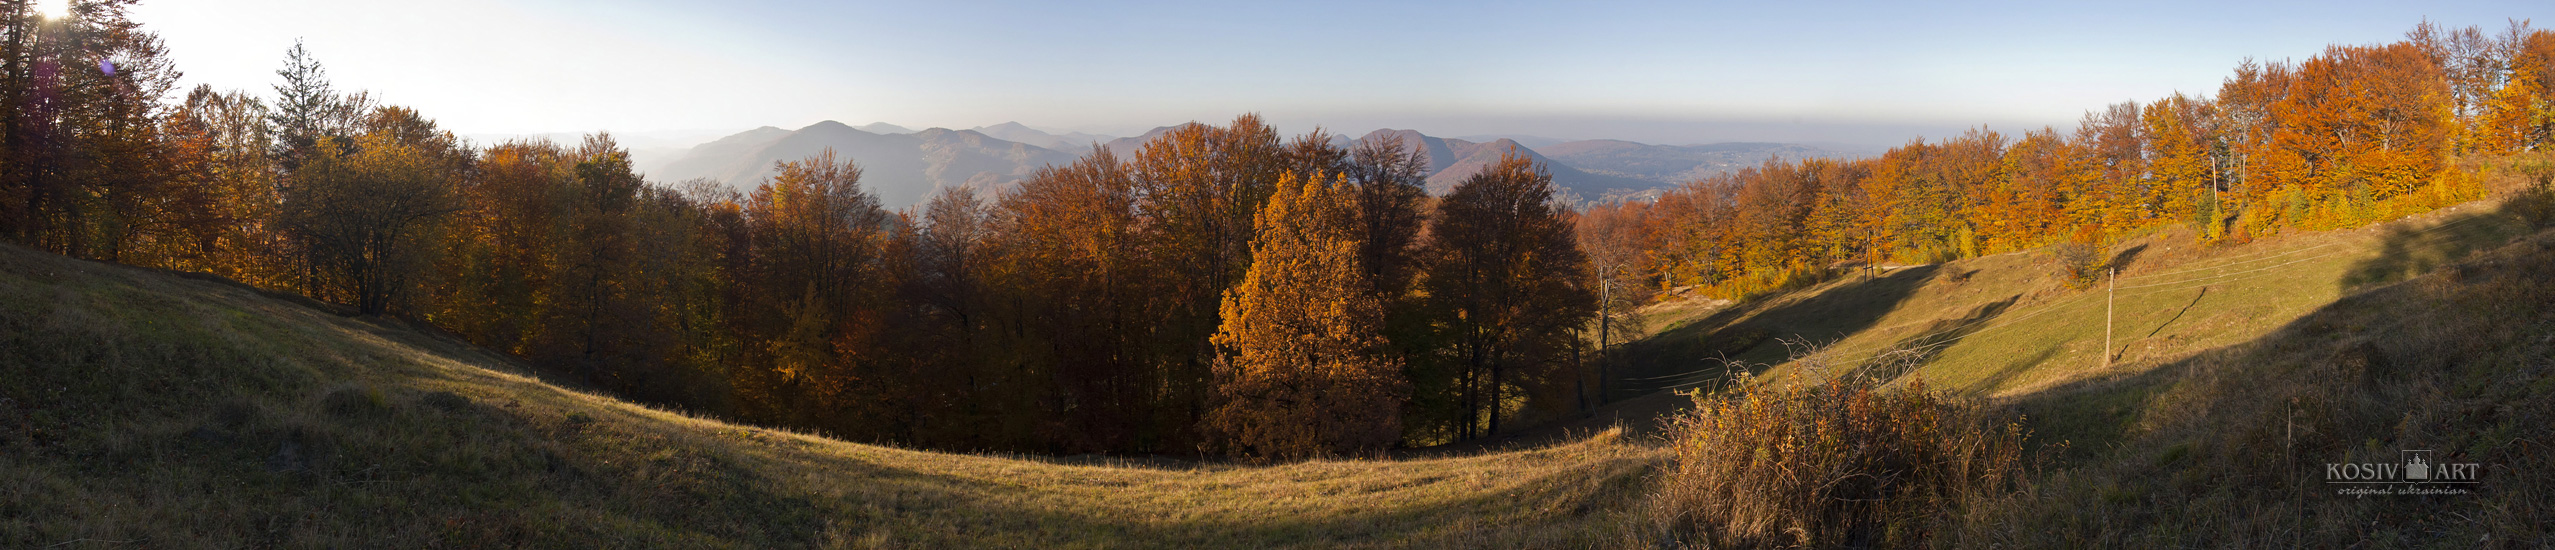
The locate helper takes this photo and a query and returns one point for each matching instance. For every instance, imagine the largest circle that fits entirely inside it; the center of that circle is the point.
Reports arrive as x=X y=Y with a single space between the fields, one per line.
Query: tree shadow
x=1911 y=353
x=1693 y=354
x=2363 y=373
x=2121 y=261
x=2408 y=252
x=2186 y=308
x=2009 y=372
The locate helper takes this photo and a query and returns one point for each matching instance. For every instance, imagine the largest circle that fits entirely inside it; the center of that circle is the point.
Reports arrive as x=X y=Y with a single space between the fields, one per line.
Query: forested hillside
x=2354 y=135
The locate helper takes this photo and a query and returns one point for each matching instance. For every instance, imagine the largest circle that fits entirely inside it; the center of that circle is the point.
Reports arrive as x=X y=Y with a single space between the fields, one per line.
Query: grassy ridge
x=2227 y=446
x=2009 y=324
x=141 y=406
x=2237 y=374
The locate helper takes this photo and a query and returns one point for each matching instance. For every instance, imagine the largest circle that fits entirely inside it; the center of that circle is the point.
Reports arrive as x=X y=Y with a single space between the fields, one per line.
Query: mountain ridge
x=903 y=168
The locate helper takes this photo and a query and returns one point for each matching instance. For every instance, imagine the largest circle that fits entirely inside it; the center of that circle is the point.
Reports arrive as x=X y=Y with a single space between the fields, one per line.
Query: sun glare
x=53 y=9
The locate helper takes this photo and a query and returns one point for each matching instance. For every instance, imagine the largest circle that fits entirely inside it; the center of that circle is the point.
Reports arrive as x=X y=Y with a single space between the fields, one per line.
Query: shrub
x=1848 y=462
x=2080 y=258
x=2529 y=180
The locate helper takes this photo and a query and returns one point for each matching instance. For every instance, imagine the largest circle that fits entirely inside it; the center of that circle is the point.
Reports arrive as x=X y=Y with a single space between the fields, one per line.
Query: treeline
x=1222 y=290
x=2357 y=134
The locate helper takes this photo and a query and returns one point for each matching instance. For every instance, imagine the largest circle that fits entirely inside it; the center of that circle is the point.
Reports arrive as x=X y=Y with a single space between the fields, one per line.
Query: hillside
x=139 y=406
x=2007 y=325
x=709 y=159
x=2237 y=373
x=1126 y=147
x=883 y=128
x=901 y=168
x=1076 y=143
x=1452 y=160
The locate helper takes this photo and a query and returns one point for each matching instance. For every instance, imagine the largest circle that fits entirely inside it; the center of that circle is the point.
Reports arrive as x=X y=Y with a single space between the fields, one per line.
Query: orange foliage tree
x=1305 y=370
x=2521 y=114
x=2361 y=123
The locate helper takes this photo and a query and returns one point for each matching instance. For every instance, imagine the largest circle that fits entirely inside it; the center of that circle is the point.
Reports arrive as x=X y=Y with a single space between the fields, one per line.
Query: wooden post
x=2108 y=287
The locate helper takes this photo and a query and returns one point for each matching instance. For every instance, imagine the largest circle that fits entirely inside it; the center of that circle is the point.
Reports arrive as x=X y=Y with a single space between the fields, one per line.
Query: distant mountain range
x=1452 y=160
x=1668 y=164
x=1073 y=142
x=905 y=166
x=903 y=169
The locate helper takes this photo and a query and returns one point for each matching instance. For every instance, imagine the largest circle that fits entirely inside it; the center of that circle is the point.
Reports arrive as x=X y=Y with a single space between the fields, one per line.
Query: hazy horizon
x=1837 y=73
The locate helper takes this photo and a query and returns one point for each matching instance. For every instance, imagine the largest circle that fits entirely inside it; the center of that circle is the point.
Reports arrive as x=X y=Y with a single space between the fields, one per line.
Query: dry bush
x=1854 y=461
x=2080 y=258
x=2527 y=179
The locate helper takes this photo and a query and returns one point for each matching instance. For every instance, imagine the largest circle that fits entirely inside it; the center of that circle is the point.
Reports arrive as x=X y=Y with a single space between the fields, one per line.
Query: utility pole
x=2108 y=287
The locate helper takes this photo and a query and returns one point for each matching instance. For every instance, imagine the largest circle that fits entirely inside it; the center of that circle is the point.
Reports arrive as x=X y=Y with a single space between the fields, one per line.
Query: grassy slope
x=2238 y=372
x=2006 y=325
x=141 y=406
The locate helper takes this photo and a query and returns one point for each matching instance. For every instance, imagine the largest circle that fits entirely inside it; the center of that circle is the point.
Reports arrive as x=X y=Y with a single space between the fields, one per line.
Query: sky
x=1864 y=74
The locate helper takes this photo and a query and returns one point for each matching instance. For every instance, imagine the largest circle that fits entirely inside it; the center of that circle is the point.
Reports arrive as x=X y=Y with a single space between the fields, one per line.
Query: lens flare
x=53 y=9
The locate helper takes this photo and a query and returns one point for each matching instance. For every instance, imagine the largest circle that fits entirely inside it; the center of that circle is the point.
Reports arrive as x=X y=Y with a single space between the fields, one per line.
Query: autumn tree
x=86 y=172
x=2471 y=64
x=366 y=211
x=2040 y=199
x=1769 y=224
x=944 y=354
x=1078 y=303
x=223 y=138
x=2182 y=161
x=2245 y=122
x=1387 y=181
x=1615 y=238
x=2520 y=115
x=591 y=314
x=1511 y=288
x=2117 y=153
x=1304 y=369
x=1691 y=248
x=815 y=287
x=500 y=257
x=1200 y=185
x=2364 y=123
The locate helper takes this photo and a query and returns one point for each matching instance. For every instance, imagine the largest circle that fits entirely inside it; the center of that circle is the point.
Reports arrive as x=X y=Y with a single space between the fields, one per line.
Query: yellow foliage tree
x=2521 y=115
x=1304 y=369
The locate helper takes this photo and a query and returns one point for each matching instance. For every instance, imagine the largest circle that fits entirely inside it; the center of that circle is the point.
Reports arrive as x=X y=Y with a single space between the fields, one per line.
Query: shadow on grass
x=1916 y=351
x=2186 y=308
x=2011 y=370
x=1690 y=355
x=2409 y=252
x=2232 y=445
x=2126 y=256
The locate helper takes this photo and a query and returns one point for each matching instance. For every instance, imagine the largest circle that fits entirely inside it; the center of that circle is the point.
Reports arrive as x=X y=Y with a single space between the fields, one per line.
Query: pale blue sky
x=1662 y=72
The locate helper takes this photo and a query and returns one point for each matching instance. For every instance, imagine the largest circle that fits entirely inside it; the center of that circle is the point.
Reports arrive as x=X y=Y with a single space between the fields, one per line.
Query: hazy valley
x=904 y=166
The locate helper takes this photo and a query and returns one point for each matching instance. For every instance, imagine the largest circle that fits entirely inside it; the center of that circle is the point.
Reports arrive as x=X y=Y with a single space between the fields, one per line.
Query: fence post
x=2112 y=284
